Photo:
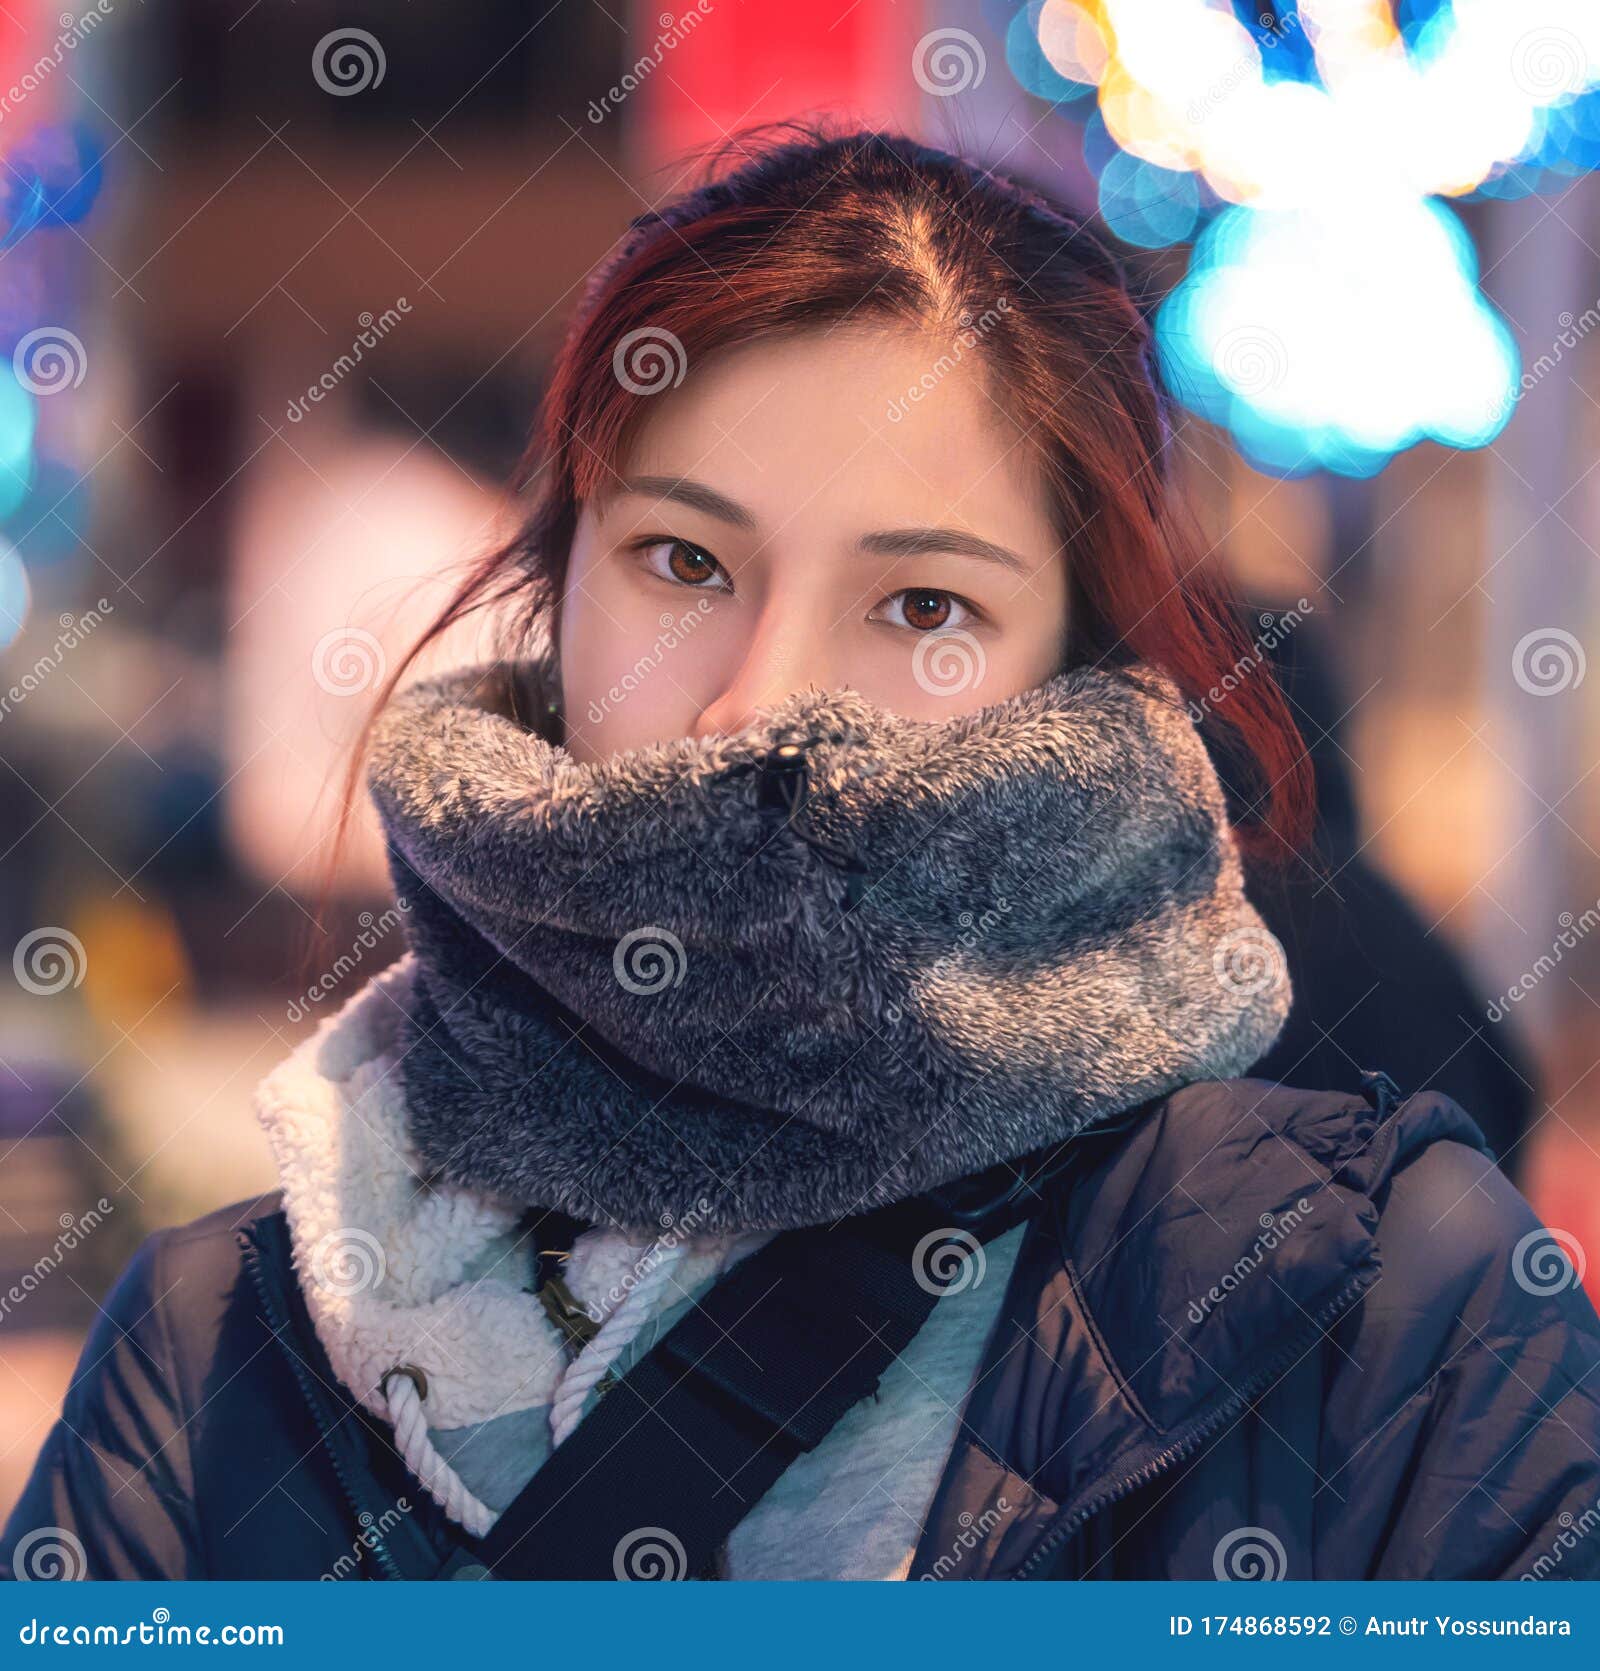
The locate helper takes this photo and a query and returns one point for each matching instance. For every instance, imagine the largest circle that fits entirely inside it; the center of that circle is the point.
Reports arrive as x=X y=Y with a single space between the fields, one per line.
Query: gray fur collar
x=643 y=989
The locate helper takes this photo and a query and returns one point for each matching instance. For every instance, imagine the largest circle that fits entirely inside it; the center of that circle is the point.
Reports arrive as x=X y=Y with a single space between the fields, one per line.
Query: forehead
x=864 y=424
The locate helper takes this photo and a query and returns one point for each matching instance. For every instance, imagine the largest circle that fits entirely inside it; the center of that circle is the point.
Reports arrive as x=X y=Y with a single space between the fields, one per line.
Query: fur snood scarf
x=775 y=978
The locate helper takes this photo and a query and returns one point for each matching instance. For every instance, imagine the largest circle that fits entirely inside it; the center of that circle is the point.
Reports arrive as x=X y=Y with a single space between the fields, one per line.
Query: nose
x=784 y=653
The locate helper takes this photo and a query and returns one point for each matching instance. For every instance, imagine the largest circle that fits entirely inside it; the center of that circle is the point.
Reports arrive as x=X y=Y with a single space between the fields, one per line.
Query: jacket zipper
x=1381 y=1091
x=279 y=1322
x=1191 y=1442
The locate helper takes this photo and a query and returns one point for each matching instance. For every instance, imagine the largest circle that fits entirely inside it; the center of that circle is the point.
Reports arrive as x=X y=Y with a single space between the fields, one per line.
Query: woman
x=805 y=1137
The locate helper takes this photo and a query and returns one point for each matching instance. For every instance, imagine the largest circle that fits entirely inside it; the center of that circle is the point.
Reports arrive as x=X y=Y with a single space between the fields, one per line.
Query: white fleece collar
x=397 y=1271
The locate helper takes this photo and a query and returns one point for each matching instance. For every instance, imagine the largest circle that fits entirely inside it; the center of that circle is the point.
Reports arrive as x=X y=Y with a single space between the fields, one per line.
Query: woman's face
x=792 y=516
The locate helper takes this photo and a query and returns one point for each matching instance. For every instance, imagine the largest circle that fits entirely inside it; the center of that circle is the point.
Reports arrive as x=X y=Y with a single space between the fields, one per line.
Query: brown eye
x=684 y=564
x=926 y=610
x=692 y=567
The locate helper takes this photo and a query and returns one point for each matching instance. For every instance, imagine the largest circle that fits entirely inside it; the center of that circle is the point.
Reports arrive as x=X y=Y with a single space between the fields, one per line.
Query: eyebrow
x=887 y=542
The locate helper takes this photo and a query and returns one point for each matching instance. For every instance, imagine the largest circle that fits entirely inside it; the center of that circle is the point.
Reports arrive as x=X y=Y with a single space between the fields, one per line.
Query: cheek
x=631 y=672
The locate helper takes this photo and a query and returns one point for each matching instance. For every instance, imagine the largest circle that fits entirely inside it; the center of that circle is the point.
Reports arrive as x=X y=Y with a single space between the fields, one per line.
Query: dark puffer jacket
x=1254 y=1331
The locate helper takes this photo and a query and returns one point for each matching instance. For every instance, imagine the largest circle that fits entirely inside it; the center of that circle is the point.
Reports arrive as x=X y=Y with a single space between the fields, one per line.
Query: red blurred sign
x=715 y=65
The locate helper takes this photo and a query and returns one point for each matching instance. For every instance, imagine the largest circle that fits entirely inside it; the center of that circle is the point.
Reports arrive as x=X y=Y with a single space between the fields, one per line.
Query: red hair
x=794 y=229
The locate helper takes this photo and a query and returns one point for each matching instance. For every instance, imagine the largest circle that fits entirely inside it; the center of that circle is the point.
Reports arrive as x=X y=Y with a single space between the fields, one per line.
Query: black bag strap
x=672 y=1458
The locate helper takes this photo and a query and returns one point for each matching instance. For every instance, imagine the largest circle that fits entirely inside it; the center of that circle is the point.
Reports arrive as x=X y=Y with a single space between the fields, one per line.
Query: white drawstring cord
x=440 y=1480
x=616 y=1334
x=403 y=1397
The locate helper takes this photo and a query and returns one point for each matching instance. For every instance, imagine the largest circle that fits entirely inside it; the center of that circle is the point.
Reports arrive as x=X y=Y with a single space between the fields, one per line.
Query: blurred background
x=278 y=285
